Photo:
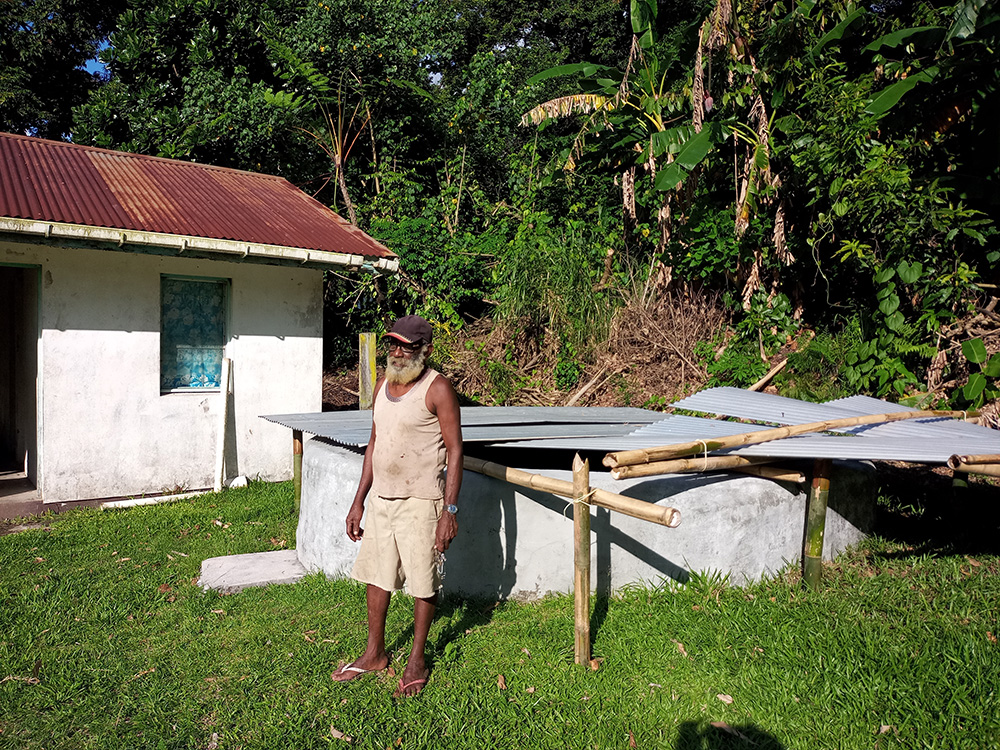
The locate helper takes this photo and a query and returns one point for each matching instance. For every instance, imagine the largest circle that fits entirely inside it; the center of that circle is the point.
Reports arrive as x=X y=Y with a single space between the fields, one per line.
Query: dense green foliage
x=826 y=166
x=44 y=45
x=106 y=641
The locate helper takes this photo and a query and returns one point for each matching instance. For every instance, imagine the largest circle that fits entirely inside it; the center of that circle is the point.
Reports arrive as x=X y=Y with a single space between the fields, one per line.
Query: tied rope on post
x=574 y=501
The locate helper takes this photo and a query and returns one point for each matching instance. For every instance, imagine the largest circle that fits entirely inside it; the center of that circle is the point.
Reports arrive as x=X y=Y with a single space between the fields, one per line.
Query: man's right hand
x=354 y=530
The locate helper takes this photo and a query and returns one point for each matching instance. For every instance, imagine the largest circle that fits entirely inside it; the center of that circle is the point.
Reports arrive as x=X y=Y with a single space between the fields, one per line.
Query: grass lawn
x=106 y=642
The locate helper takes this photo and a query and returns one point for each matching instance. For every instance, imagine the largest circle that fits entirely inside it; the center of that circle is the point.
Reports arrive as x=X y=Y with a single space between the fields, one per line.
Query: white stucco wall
x=105 y=428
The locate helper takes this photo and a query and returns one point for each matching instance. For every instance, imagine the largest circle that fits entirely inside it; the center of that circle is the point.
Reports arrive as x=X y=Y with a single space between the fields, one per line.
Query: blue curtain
x=192 y=333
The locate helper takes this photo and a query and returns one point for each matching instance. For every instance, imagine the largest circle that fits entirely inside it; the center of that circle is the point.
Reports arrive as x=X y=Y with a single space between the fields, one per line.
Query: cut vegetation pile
x=106 y=642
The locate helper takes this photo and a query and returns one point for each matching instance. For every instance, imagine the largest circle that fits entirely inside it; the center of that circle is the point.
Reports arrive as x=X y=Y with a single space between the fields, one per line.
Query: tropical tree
x=44 y=48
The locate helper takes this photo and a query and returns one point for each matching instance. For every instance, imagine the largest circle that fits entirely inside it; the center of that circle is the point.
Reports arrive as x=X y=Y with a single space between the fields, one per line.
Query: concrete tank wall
x=515 y=542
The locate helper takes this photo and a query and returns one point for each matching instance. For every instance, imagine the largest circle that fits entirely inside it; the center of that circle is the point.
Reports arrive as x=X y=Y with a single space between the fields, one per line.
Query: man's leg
x=416 y=672
x=374 y=658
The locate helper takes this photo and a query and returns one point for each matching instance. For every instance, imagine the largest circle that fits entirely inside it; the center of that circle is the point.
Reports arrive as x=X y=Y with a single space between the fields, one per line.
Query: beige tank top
x=409 y=456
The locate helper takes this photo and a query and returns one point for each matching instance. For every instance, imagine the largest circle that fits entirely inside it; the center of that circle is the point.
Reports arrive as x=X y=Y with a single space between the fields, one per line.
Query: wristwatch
x=451 y=508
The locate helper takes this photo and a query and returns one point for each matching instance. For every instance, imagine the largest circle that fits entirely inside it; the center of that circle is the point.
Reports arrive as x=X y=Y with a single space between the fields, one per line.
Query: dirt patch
x=18 y=527
x=647 y=361
x=340 y=390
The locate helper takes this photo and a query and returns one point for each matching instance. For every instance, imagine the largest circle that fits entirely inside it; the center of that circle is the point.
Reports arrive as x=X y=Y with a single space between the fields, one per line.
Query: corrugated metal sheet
x=64 y=182
x=762 y=407
x=486 y=424
x=589 y=429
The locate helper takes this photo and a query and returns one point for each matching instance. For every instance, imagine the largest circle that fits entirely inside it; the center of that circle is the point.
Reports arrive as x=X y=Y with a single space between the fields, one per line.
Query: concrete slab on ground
x=233 y=573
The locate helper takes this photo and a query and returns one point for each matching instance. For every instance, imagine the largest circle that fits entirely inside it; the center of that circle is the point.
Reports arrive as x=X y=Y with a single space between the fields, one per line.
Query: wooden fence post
x=297 y=467
x=366 y=370
x=812 y=550
x=581 y=559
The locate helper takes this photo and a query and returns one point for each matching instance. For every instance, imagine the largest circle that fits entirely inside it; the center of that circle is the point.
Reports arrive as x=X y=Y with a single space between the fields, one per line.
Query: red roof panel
x=64 y=182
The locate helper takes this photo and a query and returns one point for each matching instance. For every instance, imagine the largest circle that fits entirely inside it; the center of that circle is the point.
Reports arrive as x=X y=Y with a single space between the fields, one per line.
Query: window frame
x=226 y=284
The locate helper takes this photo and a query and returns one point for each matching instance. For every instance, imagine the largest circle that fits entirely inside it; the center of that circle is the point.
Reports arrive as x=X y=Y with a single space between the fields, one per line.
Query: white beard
x=403 y=371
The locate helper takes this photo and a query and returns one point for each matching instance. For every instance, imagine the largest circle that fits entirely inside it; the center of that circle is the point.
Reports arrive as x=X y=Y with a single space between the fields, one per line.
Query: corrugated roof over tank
x=51 y=181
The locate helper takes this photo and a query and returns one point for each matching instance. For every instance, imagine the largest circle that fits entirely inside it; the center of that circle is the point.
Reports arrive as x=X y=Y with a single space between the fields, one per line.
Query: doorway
x=19 y=299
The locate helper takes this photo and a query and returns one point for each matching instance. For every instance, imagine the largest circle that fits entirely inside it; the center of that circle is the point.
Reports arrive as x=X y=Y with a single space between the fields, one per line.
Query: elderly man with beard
x=416 y=432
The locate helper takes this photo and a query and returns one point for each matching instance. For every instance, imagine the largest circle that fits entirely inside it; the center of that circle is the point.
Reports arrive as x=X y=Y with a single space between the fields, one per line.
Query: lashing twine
x=579 y=501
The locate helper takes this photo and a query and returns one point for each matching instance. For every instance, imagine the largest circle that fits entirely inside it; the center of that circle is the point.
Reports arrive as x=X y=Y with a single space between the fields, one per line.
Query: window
x=192 y=332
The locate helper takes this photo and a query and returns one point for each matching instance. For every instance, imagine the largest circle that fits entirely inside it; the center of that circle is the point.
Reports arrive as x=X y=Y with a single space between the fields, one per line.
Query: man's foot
x=348 y=672
x=411 y=686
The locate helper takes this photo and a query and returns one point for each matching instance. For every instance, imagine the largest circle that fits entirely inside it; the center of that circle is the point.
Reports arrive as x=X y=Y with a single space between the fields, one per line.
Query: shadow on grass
x=473 y=613
x=925 y=512
x=694 y=735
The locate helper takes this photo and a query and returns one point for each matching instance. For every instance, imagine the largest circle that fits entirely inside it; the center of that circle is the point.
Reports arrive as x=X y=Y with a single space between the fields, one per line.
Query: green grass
x=105 y=642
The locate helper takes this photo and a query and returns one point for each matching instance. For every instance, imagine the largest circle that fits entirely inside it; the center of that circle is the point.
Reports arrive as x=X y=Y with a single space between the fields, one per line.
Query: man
x=416 y=432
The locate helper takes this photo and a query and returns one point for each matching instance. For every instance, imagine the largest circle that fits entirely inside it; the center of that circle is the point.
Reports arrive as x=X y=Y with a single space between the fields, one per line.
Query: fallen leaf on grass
x=973 y=561
x=218 y=611
x=595 y=664
x=390 y=672
x=501 y=682
x=680 y=647
x=990 y=637
x=39 y=559
x=529 y=690
x=727 y=699
x=338 y=735
x=28 y=680
x=143 y=673
x=525 y=651
x=215 y=741
x=728 y=729
x=631 y=740
x=886 y=728
x=163 y=588
x=124 y=559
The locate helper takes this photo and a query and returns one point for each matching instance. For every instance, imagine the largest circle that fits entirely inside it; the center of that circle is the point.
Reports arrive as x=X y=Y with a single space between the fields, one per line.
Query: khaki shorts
x=398 y=545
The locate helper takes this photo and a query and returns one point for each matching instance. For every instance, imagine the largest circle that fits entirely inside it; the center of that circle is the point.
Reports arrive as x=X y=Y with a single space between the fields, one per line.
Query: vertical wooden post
x=581 y=559
x=812 y=549
x=297 y=467
x=366 y=370
x=220 y=448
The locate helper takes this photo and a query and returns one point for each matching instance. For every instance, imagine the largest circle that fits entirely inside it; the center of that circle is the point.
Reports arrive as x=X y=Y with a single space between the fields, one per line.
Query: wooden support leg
x=581 y=559
x=297 y=467
x=812 y=551
x=366 y=370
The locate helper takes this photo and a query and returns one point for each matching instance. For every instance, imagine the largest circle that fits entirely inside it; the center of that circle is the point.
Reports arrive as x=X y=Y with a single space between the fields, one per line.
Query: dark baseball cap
x=412 y=329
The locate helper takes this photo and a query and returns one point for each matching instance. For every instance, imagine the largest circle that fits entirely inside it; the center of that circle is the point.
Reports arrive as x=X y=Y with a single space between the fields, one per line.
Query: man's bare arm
x=442 y=401
x=354 y=515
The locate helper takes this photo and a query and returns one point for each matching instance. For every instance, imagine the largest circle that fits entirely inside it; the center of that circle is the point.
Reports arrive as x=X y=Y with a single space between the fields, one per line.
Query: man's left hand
x=447 y=528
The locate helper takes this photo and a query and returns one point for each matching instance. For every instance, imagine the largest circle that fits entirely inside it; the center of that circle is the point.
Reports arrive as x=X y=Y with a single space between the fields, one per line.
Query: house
x=124 y=282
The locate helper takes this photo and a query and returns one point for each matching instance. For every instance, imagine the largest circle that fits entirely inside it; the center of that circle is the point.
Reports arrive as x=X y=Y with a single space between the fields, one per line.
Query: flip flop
x=402 y=687
x=344 y=669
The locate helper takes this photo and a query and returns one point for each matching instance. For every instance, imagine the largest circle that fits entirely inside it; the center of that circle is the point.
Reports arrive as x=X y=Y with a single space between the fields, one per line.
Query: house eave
x=53 y=233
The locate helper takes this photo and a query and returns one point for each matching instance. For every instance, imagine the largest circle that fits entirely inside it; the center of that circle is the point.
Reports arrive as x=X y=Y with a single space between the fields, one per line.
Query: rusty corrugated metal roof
x=51 y=181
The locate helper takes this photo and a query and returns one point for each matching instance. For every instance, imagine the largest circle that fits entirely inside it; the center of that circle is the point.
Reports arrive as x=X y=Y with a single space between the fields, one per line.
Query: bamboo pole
x=629 y=506
x=220 y=447
x=680 y=465
x=770 y=374
x=987 y=458
x=812 y=549
x=297 y=467
x=663 y=453
x=366 y=370
x=581 y=559
x=992 y=470
x=774 y=473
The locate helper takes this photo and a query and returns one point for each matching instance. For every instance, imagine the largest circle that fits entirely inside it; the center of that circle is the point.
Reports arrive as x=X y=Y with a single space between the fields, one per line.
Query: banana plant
x=666 y=133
